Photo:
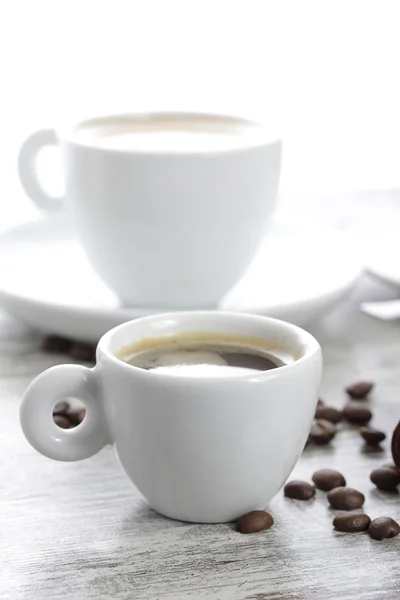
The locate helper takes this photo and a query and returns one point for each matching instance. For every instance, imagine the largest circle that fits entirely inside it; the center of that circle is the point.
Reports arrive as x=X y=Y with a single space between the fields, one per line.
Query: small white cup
x=199 y=449
x=164 y=228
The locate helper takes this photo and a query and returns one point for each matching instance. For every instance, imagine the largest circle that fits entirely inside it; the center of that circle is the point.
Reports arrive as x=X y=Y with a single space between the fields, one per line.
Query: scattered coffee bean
x=329 y=413
x=58 y=345
x=383 y=528
x=66 y=416
x=308 y=441
x=322 y=432
x=368 y=449
x=385 y=479
x=373 y=437
x=327 y=479
x=396 y=445
x=351 y=523
x=390 y=466
x=76 y=416
x=83 y=352
x=60 y=407
x=299 y=490
x=255 y=521
x=359 y=390
x=356 y=414
x=344 y=498
x=62 y=421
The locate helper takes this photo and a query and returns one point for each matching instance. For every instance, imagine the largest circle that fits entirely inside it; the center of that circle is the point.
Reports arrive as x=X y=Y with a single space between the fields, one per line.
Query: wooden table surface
x=81 y=531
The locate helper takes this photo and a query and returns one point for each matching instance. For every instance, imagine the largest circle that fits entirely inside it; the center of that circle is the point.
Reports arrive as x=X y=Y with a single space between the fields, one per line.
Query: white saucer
x=45 y=280
x=384 y=256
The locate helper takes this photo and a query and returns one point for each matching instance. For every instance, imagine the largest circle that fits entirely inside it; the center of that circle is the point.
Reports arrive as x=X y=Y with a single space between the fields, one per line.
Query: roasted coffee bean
x=308 y=441
x=322 y=432
x=383 y=528
x=385 y=479
x=83 y=352
x=299 y=490
x=351 y=523
x=373 y=437
x=359 y=390
x=344 y=498
x=327 y=479
x=396 y=445
x=62 y=421
x=320 y=402
x=390 y=466
x=81 y=415
x=356 y=413
x=329 y=413
x=58 y=345
x=255 y=521
x=77 y=416
x=368 y=449
x=61 y=408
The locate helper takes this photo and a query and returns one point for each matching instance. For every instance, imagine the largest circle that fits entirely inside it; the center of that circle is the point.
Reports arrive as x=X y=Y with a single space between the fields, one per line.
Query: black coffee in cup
x=203 y=355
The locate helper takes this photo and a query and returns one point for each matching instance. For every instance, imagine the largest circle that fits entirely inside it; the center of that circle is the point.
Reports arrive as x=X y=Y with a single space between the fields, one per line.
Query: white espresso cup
x=169 y=207
x=201 y=449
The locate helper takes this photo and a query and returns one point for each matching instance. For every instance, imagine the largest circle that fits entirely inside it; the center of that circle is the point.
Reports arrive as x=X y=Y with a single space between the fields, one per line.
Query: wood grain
x=81 y=530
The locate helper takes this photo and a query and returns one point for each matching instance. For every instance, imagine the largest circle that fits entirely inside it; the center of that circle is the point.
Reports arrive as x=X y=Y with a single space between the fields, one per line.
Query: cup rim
x=264 y=135
x=310 y=344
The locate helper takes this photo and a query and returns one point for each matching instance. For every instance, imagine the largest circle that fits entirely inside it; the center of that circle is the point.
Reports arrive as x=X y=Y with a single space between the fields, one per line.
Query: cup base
x=207 y=517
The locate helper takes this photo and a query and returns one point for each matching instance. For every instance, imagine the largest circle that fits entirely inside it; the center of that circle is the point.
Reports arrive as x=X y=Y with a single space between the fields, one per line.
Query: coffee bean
x=77 y=416
x=83 y=352
x=328 y=426
x=391 y=466
x=385 y=478
x=396 y=445
x=354 y=413
x=308 y=441
x=367 y=449
x=320 y=402
x=344 y=498
x=327 y=479
x=329 y=413
x=56 y=344
x=351 y=523
x=62 y=421
x=383 y=528
x=255 y=521
x=61 y=408
x=359 y=390
x=81 y=415
x=322 y=432
x=299 y=490
x=373 y=437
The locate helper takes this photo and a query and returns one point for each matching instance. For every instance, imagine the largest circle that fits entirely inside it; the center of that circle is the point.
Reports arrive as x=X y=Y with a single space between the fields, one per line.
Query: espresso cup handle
x=28 y=173
x=36 y=414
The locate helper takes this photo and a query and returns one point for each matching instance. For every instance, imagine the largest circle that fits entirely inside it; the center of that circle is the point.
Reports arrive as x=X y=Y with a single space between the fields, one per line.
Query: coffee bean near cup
x=170 y=208
x=208 y=411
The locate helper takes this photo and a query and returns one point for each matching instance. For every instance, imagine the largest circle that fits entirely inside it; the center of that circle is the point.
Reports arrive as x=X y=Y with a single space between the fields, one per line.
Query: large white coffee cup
x=170 y=207
x=200 y=449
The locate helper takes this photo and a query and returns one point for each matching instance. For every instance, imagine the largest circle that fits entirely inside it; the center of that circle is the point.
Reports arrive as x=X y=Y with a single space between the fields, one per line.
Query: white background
x=326 y=71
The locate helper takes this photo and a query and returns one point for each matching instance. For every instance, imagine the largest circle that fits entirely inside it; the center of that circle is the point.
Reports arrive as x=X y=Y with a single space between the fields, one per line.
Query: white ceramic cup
x=164 y=227
x=200 y=449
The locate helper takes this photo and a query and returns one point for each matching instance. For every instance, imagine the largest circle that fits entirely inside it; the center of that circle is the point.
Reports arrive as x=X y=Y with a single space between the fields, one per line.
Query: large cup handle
x=28 y=172
x=36 y=414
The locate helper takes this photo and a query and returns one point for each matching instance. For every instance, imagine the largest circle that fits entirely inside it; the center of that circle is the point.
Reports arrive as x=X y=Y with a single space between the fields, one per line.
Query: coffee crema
x=204 y=355
x=177 y=133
